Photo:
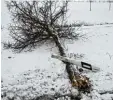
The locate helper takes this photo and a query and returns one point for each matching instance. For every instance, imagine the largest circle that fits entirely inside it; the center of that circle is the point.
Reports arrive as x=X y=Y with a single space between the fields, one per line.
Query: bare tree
x=37 y=22
x=109 y=4
x=90 y=1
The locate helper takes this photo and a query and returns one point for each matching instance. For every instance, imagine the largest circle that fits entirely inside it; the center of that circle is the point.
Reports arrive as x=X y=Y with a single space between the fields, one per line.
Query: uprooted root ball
x=81 y=82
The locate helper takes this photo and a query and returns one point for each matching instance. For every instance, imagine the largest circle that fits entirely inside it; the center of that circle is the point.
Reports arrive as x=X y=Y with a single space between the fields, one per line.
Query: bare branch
x=34 y=22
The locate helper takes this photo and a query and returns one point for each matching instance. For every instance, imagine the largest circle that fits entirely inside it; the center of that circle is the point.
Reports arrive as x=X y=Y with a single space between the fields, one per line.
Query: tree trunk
x=77 y=80
x=90 y=4
x=62 y=53
x=50 y=31
x=109 y=5
x=61 y=50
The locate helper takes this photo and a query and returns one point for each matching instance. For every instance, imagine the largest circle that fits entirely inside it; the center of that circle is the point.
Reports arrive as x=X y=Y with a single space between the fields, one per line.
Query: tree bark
x=109 y=5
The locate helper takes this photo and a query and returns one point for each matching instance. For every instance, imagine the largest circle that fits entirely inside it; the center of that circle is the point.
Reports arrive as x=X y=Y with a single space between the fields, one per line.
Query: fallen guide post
x=78 y=63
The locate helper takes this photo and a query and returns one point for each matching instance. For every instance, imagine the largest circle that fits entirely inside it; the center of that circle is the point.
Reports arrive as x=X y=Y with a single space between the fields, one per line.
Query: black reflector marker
x=86 y=65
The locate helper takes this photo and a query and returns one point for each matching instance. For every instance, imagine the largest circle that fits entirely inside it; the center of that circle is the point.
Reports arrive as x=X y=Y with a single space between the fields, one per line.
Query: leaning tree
x=35 y=23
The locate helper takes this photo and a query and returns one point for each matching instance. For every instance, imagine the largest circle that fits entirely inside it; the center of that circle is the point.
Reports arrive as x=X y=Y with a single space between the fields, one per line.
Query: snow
x=100 y=12
x=97 y=50
x=36 y=73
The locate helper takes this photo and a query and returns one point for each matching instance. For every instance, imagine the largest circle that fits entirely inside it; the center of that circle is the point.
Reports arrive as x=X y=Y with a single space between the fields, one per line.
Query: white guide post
x=78 y=63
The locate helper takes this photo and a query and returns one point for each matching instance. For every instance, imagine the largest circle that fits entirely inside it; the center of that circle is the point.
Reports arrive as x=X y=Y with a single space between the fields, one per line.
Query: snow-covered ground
x=34 y=73
x=97 y=49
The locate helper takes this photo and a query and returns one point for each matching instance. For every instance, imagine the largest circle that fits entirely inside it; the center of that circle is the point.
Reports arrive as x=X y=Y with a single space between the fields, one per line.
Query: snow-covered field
x=31 y=74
